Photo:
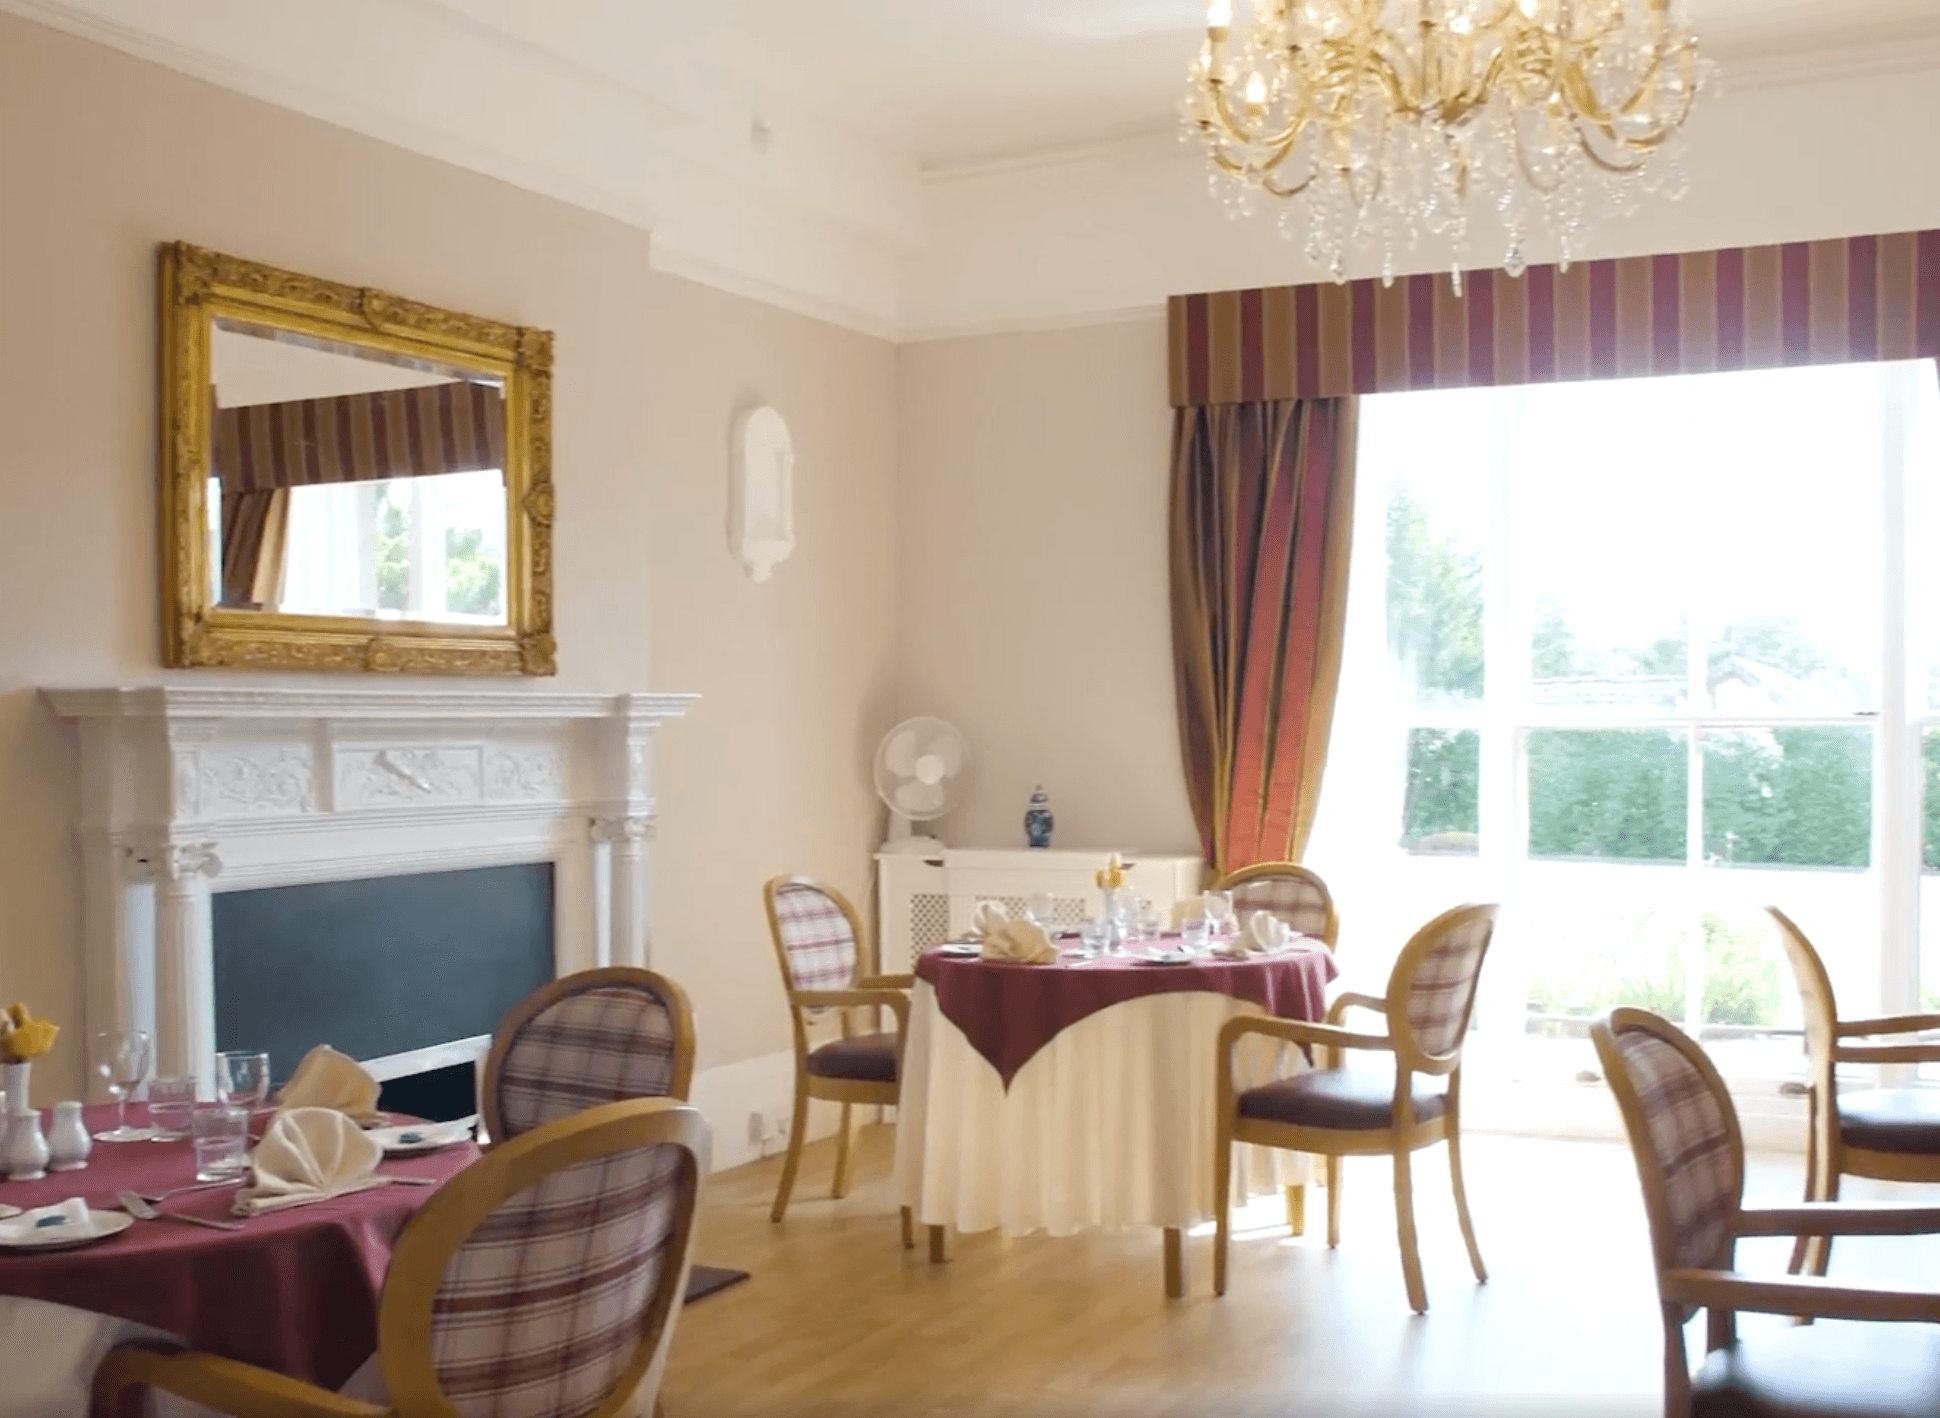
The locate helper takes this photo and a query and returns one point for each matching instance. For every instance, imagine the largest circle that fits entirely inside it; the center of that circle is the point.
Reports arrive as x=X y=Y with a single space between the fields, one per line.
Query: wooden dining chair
x=1889 y=1133
x=592 y=1037
x=1287 y=890
x=1690 y=1159
x=1336 y=1111
x=819 y=943
x=544 y=1279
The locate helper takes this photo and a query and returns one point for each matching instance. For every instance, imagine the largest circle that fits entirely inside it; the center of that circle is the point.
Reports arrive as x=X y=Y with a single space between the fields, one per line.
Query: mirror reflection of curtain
x=255 y=547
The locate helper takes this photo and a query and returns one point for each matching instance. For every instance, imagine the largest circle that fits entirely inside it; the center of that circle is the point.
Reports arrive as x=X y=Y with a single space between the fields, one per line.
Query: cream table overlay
x=1109 y=1124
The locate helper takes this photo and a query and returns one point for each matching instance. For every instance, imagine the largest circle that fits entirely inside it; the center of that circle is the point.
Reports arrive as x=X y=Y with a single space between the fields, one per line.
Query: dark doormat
x=704 y=1280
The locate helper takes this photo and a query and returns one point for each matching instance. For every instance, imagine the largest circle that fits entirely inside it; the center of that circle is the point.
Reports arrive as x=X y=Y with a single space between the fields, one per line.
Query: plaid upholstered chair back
x=1683 y=1132
x=544 y=1281
x=595 y=1037
x=816 y=934
x=1284 y=889
x=1432 y=988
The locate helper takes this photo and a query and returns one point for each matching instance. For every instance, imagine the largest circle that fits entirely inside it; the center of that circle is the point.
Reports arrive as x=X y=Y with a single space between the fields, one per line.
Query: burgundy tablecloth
x=1009 y=1012
x=295 y=1291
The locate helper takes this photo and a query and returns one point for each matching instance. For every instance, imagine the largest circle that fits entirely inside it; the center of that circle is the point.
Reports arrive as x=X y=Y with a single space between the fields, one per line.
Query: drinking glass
x=1042 y=910
x=1192 y=932
x=121 y=1058
x=242 y=1078
x=221 y=1141
x=1151 y=921
x=1221 y=923
x=1093 y=935
x=170 y=1102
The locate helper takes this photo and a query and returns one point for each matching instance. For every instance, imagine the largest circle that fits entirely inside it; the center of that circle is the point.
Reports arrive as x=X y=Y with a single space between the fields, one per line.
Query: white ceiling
x=792 y=149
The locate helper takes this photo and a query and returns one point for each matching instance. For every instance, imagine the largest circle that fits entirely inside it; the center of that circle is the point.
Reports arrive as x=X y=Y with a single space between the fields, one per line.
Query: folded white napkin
x=69 y=1215
x=1264 y=934
x=1020 y=942
x=325 y=1078
x=308 y=1154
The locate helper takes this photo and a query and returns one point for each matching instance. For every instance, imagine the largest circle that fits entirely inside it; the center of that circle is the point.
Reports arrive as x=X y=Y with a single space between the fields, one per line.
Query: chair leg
x=798 y=1125
x=1222 y=1207
x=939 y=1244
x=1333 y=1202
x=1803 y=1243
x=1818 y=1250
x=909 y=1229
x=1297 y=1209
x=844 y=1142
x=1404 y=1224
x=1461 y=1202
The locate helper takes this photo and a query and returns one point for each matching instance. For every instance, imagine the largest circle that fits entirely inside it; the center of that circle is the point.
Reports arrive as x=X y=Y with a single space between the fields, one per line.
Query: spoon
x=142 y=1211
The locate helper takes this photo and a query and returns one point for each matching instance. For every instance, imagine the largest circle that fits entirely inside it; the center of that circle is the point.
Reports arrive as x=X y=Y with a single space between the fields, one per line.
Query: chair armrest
x=886 y=982
x=1886 y=1024
x=1349 y=999
x=222 y=1384
x=1838 y=1218
x=1299 y=1031
x=894 y=1000
x=1886 y=1053
x=1803 y=1295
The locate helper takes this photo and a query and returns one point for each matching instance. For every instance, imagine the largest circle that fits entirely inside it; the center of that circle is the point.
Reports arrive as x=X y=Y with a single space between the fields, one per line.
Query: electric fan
x=919 y=776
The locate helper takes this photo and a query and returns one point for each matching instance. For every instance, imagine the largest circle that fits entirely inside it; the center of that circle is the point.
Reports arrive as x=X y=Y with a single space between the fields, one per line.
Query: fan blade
x=899 y=754
x=919 y=799
x=949 y=748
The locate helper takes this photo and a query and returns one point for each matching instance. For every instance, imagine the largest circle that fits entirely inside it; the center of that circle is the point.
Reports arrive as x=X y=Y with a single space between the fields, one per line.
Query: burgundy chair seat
x=867 y=1058
x=1825 y=1370
x=1350 y=1098
x=1891 y=1120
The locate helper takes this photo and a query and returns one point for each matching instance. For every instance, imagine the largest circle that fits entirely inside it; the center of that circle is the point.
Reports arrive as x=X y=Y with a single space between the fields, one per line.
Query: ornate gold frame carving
x=197 y=286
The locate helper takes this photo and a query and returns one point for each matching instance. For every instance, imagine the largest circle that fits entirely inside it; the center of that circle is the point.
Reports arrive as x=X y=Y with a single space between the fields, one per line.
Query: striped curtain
x=1820 y=302
x=398 y=433
x=1262 y=514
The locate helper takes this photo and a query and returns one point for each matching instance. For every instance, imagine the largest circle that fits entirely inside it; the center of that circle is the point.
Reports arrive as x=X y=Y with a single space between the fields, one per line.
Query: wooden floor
x=839 y=1320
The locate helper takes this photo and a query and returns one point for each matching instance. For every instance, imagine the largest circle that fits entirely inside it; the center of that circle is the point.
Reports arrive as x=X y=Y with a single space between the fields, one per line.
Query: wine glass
x=242 y=1078
x=1041 y=910
x=121 y=1058
x=1221 y=923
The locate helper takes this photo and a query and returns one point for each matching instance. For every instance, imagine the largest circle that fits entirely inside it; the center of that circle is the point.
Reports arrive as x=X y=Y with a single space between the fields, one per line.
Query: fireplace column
x=623 y=841
x=185 y=987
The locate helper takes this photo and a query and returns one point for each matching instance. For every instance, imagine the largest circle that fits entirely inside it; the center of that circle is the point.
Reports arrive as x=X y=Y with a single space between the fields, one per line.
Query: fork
x=139 y=1209
x=237 y=1181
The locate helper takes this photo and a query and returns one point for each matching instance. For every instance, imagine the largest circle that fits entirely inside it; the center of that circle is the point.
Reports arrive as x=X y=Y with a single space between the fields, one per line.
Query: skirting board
x=727 y=1093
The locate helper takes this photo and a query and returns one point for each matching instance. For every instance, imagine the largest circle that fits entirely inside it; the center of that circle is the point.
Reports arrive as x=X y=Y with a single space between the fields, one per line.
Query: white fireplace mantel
x=188 y=790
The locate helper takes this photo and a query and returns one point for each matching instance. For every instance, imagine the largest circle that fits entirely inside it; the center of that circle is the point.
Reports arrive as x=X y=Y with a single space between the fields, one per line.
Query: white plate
x=413 y=1138
x=1168 y=957
x=101 y=1225
x=960 y=949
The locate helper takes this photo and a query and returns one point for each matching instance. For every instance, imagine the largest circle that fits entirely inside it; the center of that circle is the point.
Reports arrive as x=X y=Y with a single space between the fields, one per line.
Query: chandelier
x=1395 y=117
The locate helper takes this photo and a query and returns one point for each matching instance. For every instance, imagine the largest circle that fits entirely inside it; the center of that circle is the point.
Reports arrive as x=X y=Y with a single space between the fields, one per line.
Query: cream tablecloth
x=1109 y=1124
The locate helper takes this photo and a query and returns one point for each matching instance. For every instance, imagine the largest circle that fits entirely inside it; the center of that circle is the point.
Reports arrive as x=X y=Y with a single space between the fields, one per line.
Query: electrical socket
x=773 y=1130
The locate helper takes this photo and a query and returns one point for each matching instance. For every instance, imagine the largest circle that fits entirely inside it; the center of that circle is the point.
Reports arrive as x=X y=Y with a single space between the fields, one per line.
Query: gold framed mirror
x=350 y=480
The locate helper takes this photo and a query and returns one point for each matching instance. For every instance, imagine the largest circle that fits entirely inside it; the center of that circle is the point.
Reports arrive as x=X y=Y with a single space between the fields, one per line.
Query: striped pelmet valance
x=398 y=433
x=1820 y=302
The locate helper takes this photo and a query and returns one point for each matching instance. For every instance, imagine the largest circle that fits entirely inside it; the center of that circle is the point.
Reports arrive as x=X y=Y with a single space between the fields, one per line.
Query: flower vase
x=1038 y=821
x=25 y=1153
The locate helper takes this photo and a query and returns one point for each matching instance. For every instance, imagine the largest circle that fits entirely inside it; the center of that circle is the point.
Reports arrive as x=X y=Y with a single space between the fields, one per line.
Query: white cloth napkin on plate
x=1264 y=934
x=327 y=1079
x=308 y=1154
x=69 y=1215
x=1020 y=942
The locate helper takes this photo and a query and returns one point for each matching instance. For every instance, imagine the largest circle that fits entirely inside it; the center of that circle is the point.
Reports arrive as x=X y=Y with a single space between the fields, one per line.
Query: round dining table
x=1080 y=1093
x=294 y=1290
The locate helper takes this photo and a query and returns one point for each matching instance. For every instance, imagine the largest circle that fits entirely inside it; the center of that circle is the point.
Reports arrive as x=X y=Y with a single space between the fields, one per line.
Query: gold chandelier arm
x=1240 y=133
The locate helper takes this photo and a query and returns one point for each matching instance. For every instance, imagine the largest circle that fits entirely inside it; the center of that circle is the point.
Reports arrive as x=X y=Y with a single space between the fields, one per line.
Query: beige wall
x=1035 y=613
x=102 y=157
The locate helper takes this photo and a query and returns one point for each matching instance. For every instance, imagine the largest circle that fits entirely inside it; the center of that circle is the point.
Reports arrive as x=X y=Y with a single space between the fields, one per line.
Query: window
x=1636 y=658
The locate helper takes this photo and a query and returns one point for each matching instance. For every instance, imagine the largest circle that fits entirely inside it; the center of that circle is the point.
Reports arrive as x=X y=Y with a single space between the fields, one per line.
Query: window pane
x=1610 y=793
x=1788 y=797
x=1930 y=874
x=1440 y=812
x=1435 y=467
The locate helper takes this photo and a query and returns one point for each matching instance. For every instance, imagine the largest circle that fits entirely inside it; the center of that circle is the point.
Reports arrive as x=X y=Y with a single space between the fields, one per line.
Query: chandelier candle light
x=1394 y=117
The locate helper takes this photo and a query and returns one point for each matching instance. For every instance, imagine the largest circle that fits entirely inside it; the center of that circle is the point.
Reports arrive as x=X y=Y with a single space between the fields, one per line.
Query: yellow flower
x=32 y=1039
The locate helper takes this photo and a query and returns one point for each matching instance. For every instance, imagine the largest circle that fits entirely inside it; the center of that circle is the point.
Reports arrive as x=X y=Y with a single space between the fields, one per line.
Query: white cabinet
x=924 y=900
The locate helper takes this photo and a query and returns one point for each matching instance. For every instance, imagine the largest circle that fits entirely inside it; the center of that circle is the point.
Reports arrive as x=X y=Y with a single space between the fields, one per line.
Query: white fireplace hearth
x=188 y=790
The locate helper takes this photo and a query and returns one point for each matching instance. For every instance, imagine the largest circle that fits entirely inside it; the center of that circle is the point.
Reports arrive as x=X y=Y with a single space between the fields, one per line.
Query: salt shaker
x=26 y=1149
x=68 y=1143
